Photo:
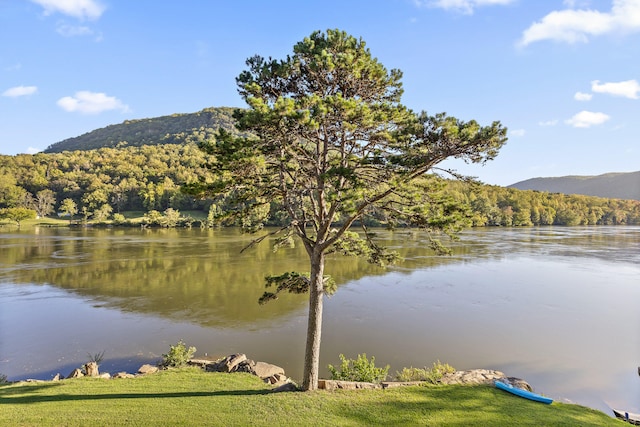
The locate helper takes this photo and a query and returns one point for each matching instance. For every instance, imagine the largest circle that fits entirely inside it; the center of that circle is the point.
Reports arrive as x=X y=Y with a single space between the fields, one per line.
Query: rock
x=206 y=364
x=518 y=383
x=105 y=376
x=123 y=375
x=147 y=369
x=58 y=377
x=482 y=376
x=278 y=379
x=76 y=373
x=245 y=366
x=265 y=370
x=91 y=369
x=289 y=386
x=331 y=385
x=395 y=384
x=229 y=363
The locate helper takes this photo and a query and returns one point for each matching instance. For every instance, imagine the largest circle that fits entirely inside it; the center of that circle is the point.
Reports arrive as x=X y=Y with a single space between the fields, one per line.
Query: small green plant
x=3 y=379
x=360 y=369
x=97 y=358
x=431 y=375
x=412 y=374
x=177 y=356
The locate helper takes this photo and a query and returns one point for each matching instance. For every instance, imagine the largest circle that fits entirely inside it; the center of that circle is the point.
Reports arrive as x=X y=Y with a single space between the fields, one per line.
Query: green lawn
x=193 y=397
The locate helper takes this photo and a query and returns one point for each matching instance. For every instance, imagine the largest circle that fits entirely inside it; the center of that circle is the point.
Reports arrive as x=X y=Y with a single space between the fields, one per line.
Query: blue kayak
x=523 y=393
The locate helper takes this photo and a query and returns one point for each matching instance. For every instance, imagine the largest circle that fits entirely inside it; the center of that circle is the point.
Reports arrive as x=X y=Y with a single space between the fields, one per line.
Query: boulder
x=518 y=383
x=245 y=366
x=206 y=364
x=123 y=375
x=147 y=369
x=278 y=379
x=91 y=369
x=230 y=363
x=288 y=386
x=482 y=376
x=76 y=373
x=58 y=377
x=105 y=376
x=266 y=370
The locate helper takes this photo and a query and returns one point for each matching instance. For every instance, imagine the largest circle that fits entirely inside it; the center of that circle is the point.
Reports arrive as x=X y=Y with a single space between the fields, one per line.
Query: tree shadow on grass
x=466 y=406
x=10 y=390
x=26 y=395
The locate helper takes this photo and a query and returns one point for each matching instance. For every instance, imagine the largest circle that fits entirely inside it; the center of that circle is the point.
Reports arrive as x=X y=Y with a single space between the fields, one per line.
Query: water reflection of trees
x=193 y=275
x=201 y=276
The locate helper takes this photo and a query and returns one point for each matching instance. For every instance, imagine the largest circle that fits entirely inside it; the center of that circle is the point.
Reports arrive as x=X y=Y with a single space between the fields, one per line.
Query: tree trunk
x=314 y=325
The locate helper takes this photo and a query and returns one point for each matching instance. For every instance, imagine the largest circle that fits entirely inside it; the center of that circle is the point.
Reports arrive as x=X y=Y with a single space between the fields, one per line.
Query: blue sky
x=563 y=76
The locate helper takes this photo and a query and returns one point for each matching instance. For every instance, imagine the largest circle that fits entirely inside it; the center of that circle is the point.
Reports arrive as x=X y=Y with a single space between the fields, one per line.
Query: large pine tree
x=333 y=145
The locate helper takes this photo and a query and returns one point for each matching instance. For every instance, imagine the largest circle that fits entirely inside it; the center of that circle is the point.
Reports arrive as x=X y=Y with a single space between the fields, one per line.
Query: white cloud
x=581 y=96
x=32 y=150
x=627 y=89
x=81 y=9
x=17 y=91
x=571 y=25
x=86 y=102
x=463 y=6
x=548 y=123
x=66 y=30
x=517 y=132
x=73 y=30
x=585 y=119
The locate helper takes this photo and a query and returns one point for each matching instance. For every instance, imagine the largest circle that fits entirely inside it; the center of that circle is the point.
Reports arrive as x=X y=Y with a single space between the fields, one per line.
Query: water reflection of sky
x=570 y=328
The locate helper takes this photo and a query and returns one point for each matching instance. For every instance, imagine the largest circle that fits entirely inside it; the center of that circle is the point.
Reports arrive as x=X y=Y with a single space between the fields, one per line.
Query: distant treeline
x=99 y=184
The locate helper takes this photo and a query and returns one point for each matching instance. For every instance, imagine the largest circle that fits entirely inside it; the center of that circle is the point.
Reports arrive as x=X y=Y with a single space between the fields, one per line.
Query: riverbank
x=191 y=396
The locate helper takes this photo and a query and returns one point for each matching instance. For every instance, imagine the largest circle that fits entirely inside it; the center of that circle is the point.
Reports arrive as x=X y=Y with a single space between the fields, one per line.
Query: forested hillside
x=173 y=129
x=97 y=184
x=616 y=185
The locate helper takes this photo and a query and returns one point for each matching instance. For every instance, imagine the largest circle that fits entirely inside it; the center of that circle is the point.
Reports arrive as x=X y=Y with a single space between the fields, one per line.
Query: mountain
x=609 y=185
x=173 y=129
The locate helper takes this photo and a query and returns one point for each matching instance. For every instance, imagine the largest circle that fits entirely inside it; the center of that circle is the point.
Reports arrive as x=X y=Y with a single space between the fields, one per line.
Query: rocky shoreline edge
x=275 y=375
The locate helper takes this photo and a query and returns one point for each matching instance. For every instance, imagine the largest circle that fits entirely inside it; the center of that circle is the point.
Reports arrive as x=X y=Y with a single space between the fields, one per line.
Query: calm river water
x=555 y=306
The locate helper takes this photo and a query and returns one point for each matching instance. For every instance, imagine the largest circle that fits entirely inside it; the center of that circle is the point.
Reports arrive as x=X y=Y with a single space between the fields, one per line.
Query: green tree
x=68 y=207
x=44 y=202
x=334 y=146
x=102 y=213
x=17 y=214
x=11 y=194
x=171 y=217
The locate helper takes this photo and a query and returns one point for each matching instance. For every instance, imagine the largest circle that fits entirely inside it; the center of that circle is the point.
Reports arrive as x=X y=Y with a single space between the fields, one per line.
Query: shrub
x=177 y=356
x=360 y=369
x=432 y=375
x=118 y=219
x=97 y=357
x=412 y=374
x=3 y=379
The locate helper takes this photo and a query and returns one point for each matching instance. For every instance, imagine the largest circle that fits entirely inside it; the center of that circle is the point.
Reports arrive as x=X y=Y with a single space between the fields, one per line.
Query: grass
x=190 y=396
